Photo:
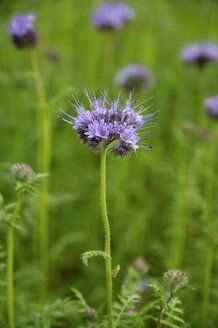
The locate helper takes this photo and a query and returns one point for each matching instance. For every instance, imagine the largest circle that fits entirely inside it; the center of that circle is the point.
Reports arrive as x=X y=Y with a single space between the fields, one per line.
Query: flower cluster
x=134 y=77
x=22 y=31
x=211 y=105
x=176 y=279
x=200 y=53
x=111 y=15
x=111 y=123
x=21 y=172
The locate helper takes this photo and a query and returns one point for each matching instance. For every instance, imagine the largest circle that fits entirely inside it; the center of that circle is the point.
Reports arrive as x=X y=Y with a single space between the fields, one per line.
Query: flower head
x=111 y=123
x=200 y=53
x=111 y=15
x=175 y=279
x=141 y=265
x=21 y=172
x=134 y=77
x=22 y=31
x=211 y=105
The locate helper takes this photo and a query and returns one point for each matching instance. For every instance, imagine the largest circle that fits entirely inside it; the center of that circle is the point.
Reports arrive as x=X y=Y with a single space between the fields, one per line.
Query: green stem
x=207 y=282
x=107 y=237
x=209 y=251
x=179 y=225
x=44 y=160
x=10 y=262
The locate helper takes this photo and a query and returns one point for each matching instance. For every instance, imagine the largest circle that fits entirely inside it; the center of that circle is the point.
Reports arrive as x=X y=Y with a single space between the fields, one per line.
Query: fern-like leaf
x=173 y=314
x=88 y=255
x=61 y=313
x=127 y=305
x=80 y=298
x=31 y=188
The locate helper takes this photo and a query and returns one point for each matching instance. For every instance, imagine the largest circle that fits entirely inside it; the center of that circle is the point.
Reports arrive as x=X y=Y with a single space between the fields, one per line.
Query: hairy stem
x=10 y=264
x=107 y=238
x=44 y=160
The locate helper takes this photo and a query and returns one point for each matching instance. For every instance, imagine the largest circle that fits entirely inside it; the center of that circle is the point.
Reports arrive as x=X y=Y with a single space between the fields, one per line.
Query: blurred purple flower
x=211 y=105
x=111 y=15
x=134 y=77
x=22 y=31
x=142 y=286
x=200 y=53
x=114 y=123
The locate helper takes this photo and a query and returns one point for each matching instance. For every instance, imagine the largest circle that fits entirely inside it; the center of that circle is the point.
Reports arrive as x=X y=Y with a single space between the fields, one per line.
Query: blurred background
x=162 y=204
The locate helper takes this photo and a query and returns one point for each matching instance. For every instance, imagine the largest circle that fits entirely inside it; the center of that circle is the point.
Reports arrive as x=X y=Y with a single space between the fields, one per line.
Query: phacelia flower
x=211 y=105
x=134 y=77
x=142 y=286
x=111 y=15
x=111 y=123
x=22 y=31
x=200 y=53
x=175 y=279
x=21 y=172
x=141 y=265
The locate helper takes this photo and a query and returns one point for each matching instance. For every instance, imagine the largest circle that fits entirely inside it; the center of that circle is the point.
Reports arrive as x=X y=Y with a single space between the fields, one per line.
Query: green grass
x=157 y=201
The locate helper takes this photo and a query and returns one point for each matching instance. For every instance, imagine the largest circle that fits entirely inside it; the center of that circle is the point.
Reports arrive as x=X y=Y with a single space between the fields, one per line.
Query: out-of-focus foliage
x=162 y=204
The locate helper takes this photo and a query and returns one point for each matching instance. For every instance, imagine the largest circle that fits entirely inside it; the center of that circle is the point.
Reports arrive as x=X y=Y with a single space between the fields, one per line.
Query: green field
x=162 y=205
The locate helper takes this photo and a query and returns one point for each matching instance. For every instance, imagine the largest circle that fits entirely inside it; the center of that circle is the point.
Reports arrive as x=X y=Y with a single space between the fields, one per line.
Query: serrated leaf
x=169 y=324
x=10 y=207
x=88 y=255
x=80 y=297
x=14 y=225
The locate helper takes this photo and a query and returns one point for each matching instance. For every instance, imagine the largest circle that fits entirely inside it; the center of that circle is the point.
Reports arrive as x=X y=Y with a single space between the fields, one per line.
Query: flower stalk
x=107 y=237
x=209 y=247
x=10 y=262
x=44 y=159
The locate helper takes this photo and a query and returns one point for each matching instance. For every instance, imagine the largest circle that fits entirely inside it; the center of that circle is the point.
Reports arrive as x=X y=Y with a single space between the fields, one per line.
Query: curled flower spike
x=211 y=105
x=111 y=123
x=22 y=173
x=200 y=53
x=175 y=279
x=134 y=77
x=111 y=15
x=22 y=31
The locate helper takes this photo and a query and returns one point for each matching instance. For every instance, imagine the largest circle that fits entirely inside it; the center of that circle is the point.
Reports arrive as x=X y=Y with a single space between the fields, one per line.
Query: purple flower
x=111 y=123
x=142 y=286
x=211 y=105
x=22 y=31
x=111 y=15
x=200 y=53
x=134 y=77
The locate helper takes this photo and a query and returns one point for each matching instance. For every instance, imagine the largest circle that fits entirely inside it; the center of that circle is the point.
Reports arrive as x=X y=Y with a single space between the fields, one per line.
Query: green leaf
x=9 y=207
x=80 y=297
x=87 y=255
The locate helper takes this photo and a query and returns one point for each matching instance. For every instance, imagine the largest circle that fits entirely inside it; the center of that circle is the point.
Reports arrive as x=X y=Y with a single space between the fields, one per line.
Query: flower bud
x=21 y=172
x=175 y=279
